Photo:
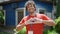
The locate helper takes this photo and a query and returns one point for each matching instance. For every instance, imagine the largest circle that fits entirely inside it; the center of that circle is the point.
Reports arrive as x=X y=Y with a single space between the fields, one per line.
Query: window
x=20 y=13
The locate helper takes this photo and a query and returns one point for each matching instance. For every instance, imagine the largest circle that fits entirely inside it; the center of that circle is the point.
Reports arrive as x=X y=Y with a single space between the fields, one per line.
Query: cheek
x=34 y=8
x=28 y=9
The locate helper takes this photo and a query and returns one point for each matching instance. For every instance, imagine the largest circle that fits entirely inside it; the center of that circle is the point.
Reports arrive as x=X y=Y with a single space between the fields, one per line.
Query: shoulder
x=40 y=14
x=25 y=17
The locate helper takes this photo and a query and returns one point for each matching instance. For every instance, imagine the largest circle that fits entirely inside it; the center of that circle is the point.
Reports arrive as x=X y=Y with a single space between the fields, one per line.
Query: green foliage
x=1 y=17
x=23 y=31
x=58 y=9
x=52 y=32
x=45 y=32
x=57 y=27
x=49 y=32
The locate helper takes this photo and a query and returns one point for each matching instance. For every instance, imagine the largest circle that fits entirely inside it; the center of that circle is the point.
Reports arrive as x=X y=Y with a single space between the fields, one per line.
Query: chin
x=31 y=12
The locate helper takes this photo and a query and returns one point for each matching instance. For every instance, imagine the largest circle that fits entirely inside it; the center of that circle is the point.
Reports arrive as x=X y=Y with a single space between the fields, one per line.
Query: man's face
x=31 y=8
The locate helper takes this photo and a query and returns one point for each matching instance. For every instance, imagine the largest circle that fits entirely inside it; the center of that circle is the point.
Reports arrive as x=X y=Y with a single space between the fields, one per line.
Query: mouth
x=32 y=9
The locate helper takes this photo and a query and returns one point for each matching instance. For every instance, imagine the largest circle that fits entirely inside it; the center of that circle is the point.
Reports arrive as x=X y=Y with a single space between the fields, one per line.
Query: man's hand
x=29 y=21
x=33 y=21
x=37 y=20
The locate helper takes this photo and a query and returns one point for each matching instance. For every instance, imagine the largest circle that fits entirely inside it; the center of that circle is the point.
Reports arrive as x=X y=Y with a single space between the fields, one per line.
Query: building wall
x=10 y=10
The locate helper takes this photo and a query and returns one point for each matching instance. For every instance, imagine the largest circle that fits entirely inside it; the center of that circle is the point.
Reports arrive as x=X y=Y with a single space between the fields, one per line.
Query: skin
x=31 y=10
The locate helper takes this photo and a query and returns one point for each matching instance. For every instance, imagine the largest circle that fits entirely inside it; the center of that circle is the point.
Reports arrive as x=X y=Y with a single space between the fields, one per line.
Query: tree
x=1 y=18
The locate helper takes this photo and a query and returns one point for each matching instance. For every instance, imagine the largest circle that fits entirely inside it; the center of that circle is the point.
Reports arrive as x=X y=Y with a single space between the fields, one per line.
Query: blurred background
x=12 y=11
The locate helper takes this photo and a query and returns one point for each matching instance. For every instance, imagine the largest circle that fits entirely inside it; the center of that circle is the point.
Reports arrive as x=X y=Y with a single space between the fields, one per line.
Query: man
x=34 y=22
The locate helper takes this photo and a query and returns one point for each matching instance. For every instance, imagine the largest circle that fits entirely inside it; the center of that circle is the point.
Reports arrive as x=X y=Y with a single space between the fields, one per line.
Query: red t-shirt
x=36 y=28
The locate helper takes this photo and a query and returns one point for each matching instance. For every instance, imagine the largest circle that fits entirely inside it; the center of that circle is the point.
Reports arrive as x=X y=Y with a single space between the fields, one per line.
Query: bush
x=1 y=18
x=23 y=31
x=57 y=27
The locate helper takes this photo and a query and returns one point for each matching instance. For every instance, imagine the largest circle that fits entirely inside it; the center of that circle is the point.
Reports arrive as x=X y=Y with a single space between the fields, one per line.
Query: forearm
x=48 y=22
x=19 y=27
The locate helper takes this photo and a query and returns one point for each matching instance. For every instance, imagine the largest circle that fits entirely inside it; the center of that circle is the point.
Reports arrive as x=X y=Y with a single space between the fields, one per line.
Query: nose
x=32 y=7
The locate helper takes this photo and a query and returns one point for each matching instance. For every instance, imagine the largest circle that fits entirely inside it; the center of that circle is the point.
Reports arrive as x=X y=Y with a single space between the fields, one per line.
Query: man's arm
x=23 y=23
x=49 y=22
x=45 y=20
x=20 y=26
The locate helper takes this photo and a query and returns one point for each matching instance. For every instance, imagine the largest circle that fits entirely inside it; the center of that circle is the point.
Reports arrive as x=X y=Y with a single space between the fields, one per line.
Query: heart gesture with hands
x=33 y=21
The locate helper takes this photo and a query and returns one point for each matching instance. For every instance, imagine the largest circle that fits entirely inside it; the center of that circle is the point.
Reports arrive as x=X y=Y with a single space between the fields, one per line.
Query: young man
x=34 y=22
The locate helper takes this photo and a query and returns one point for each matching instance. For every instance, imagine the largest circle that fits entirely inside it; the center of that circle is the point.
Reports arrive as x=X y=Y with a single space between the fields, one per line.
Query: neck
x=32 y=14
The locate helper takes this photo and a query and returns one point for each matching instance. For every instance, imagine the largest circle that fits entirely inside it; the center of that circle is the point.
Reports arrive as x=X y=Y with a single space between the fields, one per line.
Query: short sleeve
x=22 y=21
x=44 y=17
